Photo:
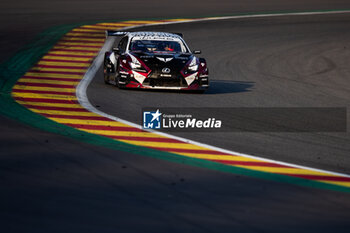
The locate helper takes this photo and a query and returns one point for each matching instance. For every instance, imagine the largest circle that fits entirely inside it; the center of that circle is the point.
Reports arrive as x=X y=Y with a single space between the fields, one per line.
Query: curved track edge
x=48 y=110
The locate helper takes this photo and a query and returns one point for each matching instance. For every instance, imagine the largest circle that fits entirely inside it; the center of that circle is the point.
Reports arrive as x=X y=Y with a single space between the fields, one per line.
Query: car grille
x=165 y=82
x=158 y=74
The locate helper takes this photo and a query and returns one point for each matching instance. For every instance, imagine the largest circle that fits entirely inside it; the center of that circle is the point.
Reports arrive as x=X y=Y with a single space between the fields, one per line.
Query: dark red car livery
x=154 y=60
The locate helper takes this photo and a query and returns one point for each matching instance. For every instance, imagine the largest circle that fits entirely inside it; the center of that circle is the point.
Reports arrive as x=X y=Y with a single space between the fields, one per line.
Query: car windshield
x=157 y=46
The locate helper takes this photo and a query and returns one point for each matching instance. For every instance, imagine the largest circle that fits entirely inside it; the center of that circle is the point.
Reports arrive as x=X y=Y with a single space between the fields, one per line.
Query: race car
x=154 y=60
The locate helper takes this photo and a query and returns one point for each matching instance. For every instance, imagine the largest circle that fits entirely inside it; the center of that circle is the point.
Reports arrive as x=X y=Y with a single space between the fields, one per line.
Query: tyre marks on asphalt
x=49 y=89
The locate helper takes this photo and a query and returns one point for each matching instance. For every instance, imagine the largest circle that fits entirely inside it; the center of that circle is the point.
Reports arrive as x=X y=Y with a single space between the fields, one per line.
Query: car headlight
x=193 y=66
x=135 y=64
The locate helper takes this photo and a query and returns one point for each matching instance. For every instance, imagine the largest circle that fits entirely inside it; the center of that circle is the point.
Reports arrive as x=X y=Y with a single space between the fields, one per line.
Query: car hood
x=158 y=61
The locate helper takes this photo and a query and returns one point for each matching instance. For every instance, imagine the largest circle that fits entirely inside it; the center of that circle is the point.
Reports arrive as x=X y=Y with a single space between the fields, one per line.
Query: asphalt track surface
x=294 y=61
x=52 y=183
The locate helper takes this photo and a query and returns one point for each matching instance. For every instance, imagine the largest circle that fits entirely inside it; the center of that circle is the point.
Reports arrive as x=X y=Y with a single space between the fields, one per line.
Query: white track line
x=90 y=74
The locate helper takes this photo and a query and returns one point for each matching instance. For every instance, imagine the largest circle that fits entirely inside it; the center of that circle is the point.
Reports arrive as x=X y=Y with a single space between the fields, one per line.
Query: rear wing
x=115 y=33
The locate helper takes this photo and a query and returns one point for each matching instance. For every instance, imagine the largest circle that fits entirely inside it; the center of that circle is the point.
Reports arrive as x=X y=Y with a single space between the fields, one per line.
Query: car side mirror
x=116 y=50
x=197 y=52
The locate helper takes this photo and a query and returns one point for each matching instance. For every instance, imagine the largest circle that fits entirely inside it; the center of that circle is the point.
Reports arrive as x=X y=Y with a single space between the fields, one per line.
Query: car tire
x=106 y=78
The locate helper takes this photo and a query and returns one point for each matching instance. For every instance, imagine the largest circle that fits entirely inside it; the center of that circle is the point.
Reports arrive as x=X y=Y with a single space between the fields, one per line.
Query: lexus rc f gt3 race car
x=154 y=60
